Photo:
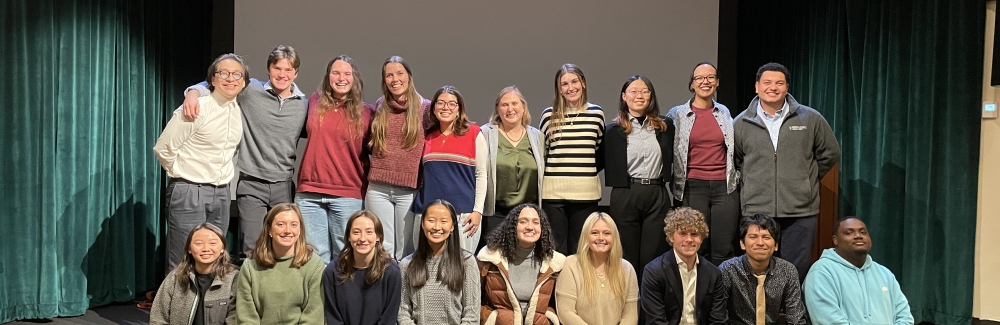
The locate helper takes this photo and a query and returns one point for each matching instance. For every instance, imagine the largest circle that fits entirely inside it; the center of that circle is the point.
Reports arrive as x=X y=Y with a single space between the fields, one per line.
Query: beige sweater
x=575 y=307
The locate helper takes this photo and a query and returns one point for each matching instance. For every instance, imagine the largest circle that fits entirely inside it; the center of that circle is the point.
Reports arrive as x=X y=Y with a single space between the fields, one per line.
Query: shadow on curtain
x=893 y=78
x=86 y=88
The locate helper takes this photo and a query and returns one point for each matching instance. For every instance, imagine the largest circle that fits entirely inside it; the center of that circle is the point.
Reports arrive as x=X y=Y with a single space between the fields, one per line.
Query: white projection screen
x=482 y=46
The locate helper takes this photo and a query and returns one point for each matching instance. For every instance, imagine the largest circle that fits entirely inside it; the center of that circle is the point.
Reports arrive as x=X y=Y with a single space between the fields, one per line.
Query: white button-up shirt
x=689 y=279
x=202 y=150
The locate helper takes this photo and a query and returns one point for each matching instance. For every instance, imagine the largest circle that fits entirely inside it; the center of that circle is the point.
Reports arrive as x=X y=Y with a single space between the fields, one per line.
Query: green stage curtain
x=86 y=85
x=899 y=83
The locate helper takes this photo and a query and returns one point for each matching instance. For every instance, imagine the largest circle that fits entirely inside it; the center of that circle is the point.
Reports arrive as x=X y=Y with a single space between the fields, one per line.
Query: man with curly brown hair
x=680 y=287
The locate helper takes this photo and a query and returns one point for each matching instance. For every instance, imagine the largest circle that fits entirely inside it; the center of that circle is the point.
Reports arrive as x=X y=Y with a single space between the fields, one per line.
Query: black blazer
x=662 y=295
x=616 y=154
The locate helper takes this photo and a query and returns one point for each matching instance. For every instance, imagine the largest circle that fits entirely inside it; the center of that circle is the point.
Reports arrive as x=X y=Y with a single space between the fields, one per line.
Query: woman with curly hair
x=598 y=286
x=519 y=267
x=203 y=284
x=440 y=285
x=362 y=284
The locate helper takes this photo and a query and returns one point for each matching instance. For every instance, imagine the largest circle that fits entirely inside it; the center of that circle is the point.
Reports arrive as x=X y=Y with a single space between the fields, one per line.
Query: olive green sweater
x=280 y=294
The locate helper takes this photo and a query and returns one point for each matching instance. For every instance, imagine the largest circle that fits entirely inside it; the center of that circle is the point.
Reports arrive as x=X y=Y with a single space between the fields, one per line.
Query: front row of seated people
x=519 y=278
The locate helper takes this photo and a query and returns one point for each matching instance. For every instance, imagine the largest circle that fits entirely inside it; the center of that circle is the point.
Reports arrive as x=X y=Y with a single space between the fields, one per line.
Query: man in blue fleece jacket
x=846 y=287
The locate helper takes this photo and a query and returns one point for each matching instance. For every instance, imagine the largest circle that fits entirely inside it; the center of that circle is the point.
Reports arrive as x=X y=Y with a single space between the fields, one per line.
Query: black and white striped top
x=571 y=155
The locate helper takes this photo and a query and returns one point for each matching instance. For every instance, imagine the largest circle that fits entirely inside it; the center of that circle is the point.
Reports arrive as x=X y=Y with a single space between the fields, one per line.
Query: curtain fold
x=87 y=86
x=893 y=79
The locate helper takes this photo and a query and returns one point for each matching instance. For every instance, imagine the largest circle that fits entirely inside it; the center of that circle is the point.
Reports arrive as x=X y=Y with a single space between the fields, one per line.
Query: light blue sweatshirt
x=837 y=292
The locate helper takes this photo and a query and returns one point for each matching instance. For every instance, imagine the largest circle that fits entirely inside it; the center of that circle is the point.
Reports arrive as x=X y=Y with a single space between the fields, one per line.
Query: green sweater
x=280 y=294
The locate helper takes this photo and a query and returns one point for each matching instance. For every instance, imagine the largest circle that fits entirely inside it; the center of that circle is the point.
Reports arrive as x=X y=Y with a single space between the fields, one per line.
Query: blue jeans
x=391 y=204
x=325 y=218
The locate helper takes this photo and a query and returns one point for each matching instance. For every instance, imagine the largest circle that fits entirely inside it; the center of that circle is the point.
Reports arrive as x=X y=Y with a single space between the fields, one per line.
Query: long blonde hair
x=615 y=272
x=354 y=101
x=559 y=104
x=413 y=129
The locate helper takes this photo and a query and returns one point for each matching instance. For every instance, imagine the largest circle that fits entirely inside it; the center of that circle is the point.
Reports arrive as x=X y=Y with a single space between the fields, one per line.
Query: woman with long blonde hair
x=573 y=130
x=397 y=143
x=597 y=286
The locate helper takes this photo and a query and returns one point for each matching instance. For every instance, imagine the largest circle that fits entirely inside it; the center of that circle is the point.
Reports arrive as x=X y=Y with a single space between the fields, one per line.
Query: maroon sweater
x=335 y=161
x=707 y=151
x=398 y=166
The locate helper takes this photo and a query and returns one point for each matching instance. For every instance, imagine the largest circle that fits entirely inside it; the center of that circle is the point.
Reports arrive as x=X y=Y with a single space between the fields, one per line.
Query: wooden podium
x=829 y=195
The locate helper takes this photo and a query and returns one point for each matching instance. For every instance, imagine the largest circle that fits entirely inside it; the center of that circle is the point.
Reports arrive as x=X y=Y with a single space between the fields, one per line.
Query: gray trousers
x=190 y=204
x=254 y=197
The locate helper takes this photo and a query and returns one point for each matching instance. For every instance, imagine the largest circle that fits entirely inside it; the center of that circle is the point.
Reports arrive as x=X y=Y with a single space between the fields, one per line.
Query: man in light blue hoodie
x=846 y=287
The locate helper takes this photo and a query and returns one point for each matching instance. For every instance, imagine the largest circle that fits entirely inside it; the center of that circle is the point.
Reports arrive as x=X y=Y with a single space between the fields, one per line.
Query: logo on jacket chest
x=797 y=127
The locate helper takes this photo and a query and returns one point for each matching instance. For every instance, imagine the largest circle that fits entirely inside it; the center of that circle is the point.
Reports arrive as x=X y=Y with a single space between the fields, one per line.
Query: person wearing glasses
x=517 y=158
x=274 y=112
x=198 y=156
x=334 y=170
x=454 y=165
x=704 y=174
x=397 y=143
x=638 y=156
x=573 y=130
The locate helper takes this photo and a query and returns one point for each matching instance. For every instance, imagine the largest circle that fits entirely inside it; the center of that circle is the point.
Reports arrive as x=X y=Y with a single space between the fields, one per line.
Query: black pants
x=639 y=212
x=722 y=214
x=798 y=234
x=254 y=197
x=566 y=219
x=491 y=222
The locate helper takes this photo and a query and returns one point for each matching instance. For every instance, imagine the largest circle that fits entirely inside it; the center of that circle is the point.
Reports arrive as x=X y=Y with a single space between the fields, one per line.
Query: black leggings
x=566 y=219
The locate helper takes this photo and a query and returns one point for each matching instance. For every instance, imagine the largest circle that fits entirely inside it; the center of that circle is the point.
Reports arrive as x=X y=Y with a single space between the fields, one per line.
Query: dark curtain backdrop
x=86 y=87
x=899 y=83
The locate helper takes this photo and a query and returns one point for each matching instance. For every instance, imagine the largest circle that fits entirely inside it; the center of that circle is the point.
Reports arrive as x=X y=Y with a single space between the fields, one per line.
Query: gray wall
x=482 y=46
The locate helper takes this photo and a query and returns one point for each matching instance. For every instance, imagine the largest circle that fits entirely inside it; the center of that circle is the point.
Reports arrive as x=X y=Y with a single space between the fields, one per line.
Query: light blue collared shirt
x=773 y=123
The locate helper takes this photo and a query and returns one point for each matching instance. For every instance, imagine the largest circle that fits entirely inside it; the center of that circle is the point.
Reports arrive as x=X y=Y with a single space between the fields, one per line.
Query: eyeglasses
x=450 y=104
x=634 y=93
x=225 y=74
x=709 y=78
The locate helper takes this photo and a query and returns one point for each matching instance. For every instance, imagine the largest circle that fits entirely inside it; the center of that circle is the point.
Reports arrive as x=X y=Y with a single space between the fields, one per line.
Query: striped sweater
x=454 y=169
x=572 y=162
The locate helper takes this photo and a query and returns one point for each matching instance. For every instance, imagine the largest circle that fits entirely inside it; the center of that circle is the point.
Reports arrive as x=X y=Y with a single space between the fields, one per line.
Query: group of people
x=395 y=193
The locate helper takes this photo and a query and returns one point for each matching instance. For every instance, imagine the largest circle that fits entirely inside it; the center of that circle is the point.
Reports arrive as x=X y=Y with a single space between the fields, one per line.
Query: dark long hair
x=652 y=112
x=451 y=271
x=220 y=267
x=503 y=238
x=381 y=261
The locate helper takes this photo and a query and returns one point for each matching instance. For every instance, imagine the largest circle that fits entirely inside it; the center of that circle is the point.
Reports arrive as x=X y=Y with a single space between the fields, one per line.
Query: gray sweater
x=434 y=303
x=783 y=182
x=271 y=129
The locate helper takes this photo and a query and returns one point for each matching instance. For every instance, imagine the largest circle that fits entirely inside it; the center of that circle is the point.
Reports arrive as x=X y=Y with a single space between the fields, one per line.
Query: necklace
x=444 y=137
x=602 y=278
x=510 y=139
x=573 y=118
